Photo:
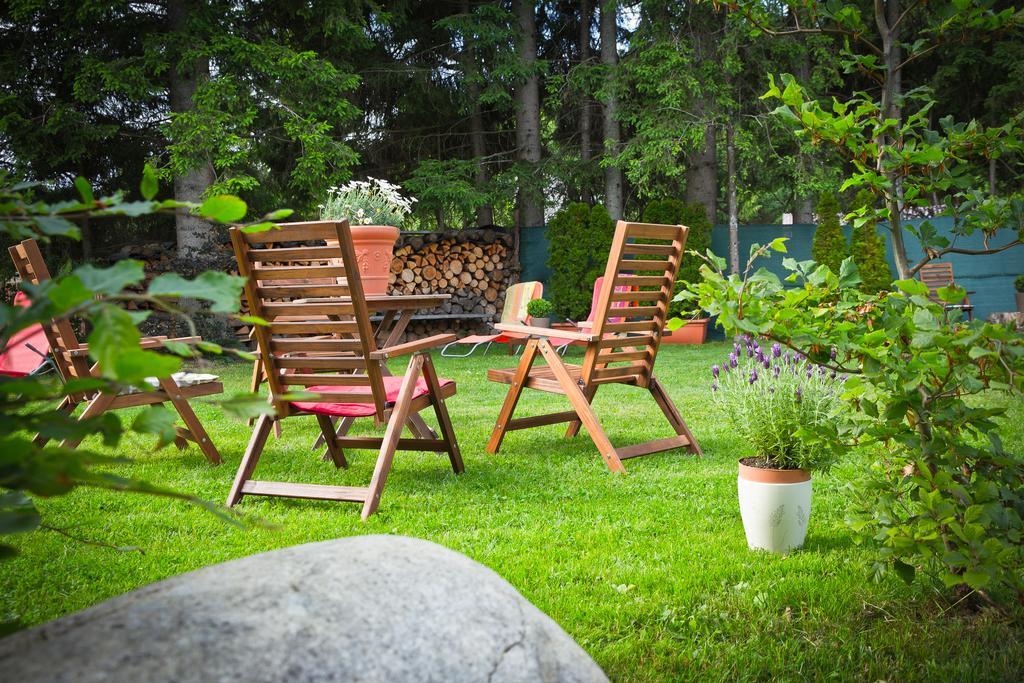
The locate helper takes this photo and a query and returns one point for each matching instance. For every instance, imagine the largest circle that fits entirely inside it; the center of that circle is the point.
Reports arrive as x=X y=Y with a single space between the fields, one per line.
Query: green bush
x=829 y=246
x=694 y=216
x=1018 y=284
x=539 y=308
x=868 y=249
x=579 y=238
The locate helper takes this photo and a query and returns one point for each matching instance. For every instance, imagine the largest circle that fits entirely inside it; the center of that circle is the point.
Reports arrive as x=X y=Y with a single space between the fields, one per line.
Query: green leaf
x=149 y=185
x=912 y=287
x=253 y=320
x=223 y=290
x=179 y=348
x=904 y=571
x=68 y=293
x=111 y=280
x=158 y=421
x=84 y=190
x=976 y=579
x=247 y=406
x=223 y=208
x=278 y=215
x=951 y=295
x=113 y=335
x=55 y=226
x=18 y=513
x=134 y=366
x=779 y=244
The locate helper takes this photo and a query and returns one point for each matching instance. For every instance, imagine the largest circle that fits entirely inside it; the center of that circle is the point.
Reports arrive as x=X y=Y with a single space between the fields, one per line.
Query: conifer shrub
x=579 y=238
x=829 y=246
x=868 y=250
x=694 y=216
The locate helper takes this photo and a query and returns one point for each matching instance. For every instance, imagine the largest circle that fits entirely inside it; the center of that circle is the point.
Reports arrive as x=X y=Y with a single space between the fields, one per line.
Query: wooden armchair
x=319 y=340
x=71 y=358
x=937 y=274
x=621 y=346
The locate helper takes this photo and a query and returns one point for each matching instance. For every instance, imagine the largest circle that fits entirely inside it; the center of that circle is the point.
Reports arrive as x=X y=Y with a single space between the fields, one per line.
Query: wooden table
x=395 y=312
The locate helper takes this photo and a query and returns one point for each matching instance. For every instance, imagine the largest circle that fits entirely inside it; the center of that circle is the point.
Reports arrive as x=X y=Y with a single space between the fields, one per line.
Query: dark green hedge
x=579 y=238
x=829 y=246
x=694 y=216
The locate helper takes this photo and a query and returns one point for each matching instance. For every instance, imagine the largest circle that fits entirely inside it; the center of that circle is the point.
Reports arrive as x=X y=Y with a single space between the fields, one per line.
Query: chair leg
x=574 y=427
x=443 y=419
x=333 y=450
x=192 y=422
x=97 y=406
x=668 y=407
x=340 y=428
x=251 y=457
x=512 y=398
x=396 y=423
x=256 y=380
x=582 y=406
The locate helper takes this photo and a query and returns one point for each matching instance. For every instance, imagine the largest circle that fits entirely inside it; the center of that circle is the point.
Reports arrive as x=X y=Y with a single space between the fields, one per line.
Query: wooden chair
x=341 y=371
x=71 y=358
x=937 y=274
x=517 y=297
x=621 y=346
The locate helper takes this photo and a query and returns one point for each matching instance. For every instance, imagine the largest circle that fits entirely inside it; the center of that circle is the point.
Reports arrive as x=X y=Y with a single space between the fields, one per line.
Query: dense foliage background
x=490 y=112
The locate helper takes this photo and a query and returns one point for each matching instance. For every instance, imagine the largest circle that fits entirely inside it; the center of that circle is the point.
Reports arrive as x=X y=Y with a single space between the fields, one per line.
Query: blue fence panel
x=990 y=277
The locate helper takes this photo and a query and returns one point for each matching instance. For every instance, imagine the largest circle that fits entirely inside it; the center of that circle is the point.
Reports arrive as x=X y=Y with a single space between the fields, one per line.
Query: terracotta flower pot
x=375 y=247
x=693 y=332
x=775 y=506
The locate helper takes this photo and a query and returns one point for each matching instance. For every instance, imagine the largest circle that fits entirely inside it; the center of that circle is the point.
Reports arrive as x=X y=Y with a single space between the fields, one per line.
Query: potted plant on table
x=375 y=209
x=775 y=401
x=539 y=311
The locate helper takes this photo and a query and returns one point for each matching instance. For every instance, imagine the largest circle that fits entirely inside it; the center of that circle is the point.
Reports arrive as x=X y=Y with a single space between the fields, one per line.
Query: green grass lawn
x=649 y=572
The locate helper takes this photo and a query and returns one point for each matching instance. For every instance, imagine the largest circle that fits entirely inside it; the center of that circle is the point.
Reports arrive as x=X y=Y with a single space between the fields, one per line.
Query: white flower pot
x=775 y=506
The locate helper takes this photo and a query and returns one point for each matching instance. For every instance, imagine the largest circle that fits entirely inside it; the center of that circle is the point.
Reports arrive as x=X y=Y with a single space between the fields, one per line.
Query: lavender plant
x=779 y=402
x=367 y=202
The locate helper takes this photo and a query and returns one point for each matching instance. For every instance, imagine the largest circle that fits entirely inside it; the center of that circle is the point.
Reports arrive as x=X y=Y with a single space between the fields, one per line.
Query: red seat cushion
x=391 y=388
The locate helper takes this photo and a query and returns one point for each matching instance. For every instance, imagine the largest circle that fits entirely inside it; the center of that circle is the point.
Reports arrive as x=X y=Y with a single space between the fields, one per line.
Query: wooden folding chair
x=621 y=346
x=71 y=358
x=341 y=371
x=937 y=274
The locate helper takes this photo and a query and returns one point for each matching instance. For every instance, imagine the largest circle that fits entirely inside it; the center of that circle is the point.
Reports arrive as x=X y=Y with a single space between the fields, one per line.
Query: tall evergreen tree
x=868 y=248
x=829 y=246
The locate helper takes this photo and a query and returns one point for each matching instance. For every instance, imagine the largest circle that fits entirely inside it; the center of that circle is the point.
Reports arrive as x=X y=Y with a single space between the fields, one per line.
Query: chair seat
x=542 y=372
x=392 y=385
x=182 y=379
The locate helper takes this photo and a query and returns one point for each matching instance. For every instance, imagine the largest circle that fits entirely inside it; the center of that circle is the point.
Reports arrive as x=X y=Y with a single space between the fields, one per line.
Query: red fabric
x=17 y=359
x=391 y=388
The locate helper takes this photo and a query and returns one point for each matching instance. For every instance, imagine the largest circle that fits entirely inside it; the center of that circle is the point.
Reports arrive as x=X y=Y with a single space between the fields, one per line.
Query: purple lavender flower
x=758 y=356
x=714 y=386
x=842 y=378
x=714 y=371
x=750 y=352
x=753 y=375
x=832 y=353
x=775 y=370
x=736 y=348
x=832 y=375
x=799 y=395
x=776 y=350
x=733 y=360
x=810 y=372
x=766 y=363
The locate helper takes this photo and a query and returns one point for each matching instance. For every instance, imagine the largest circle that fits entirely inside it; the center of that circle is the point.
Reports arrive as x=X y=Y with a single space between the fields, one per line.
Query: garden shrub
x=695 y=216
x=579 y=238
x=944 y=499
x=829 y=246
x=868 y=248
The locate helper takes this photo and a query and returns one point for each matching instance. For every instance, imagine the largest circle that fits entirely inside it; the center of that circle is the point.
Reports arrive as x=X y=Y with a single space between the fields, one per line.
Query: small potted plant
x=1018 y=285
x=375 y=210
x=775 y=401
x=539 y=311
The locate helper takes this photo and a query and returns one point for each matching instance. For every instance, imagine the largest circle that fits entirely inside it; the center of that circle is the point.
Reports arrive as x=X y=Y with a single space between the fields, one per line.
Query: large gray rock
x=369 y=608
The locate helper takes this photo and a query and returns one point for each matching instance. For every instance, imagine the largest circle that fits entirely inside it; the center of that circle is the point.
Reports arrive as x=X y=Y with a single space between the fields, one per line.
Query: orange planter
x=693 y=332
x=375 y=247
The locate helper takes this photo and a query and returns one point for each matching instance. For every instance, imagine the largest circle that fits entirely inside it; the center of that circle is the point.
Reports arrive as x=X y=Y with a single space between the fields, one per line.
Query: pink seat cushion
x=391 y=388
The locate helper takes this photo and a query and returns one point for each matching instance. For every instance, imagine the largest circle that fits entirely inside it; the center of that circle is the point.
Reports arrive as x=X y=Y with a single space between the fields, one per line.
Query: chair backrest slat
x=936 y=274
x=318 y=332
x=632 y=304
x=28 y=260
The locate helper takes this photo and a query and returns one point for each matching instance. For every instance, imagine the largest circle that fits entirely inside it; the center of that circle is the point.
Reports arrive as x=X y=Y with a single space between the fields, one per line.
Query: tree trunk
x=886 y=14
x=734 y=222
x=702 y=173
x=992 y=177
x=193 y=233
x=586 y=125
x=478 y=143
x=612 y=133
x=803 y=210
x=531 y=197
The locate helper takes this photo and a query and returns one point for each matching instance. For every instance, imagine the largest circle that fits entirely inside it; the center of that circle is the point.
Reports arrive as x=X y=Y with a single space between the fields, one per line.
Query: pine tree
x=868 y=249
x=829 y=247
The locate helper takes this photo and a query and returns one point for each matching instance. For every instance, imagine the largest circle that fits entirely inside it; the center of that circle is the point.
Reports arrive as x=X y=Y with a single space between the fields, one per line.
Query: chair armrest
x=413 y=346
x=144 y=343
x=544 y=332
